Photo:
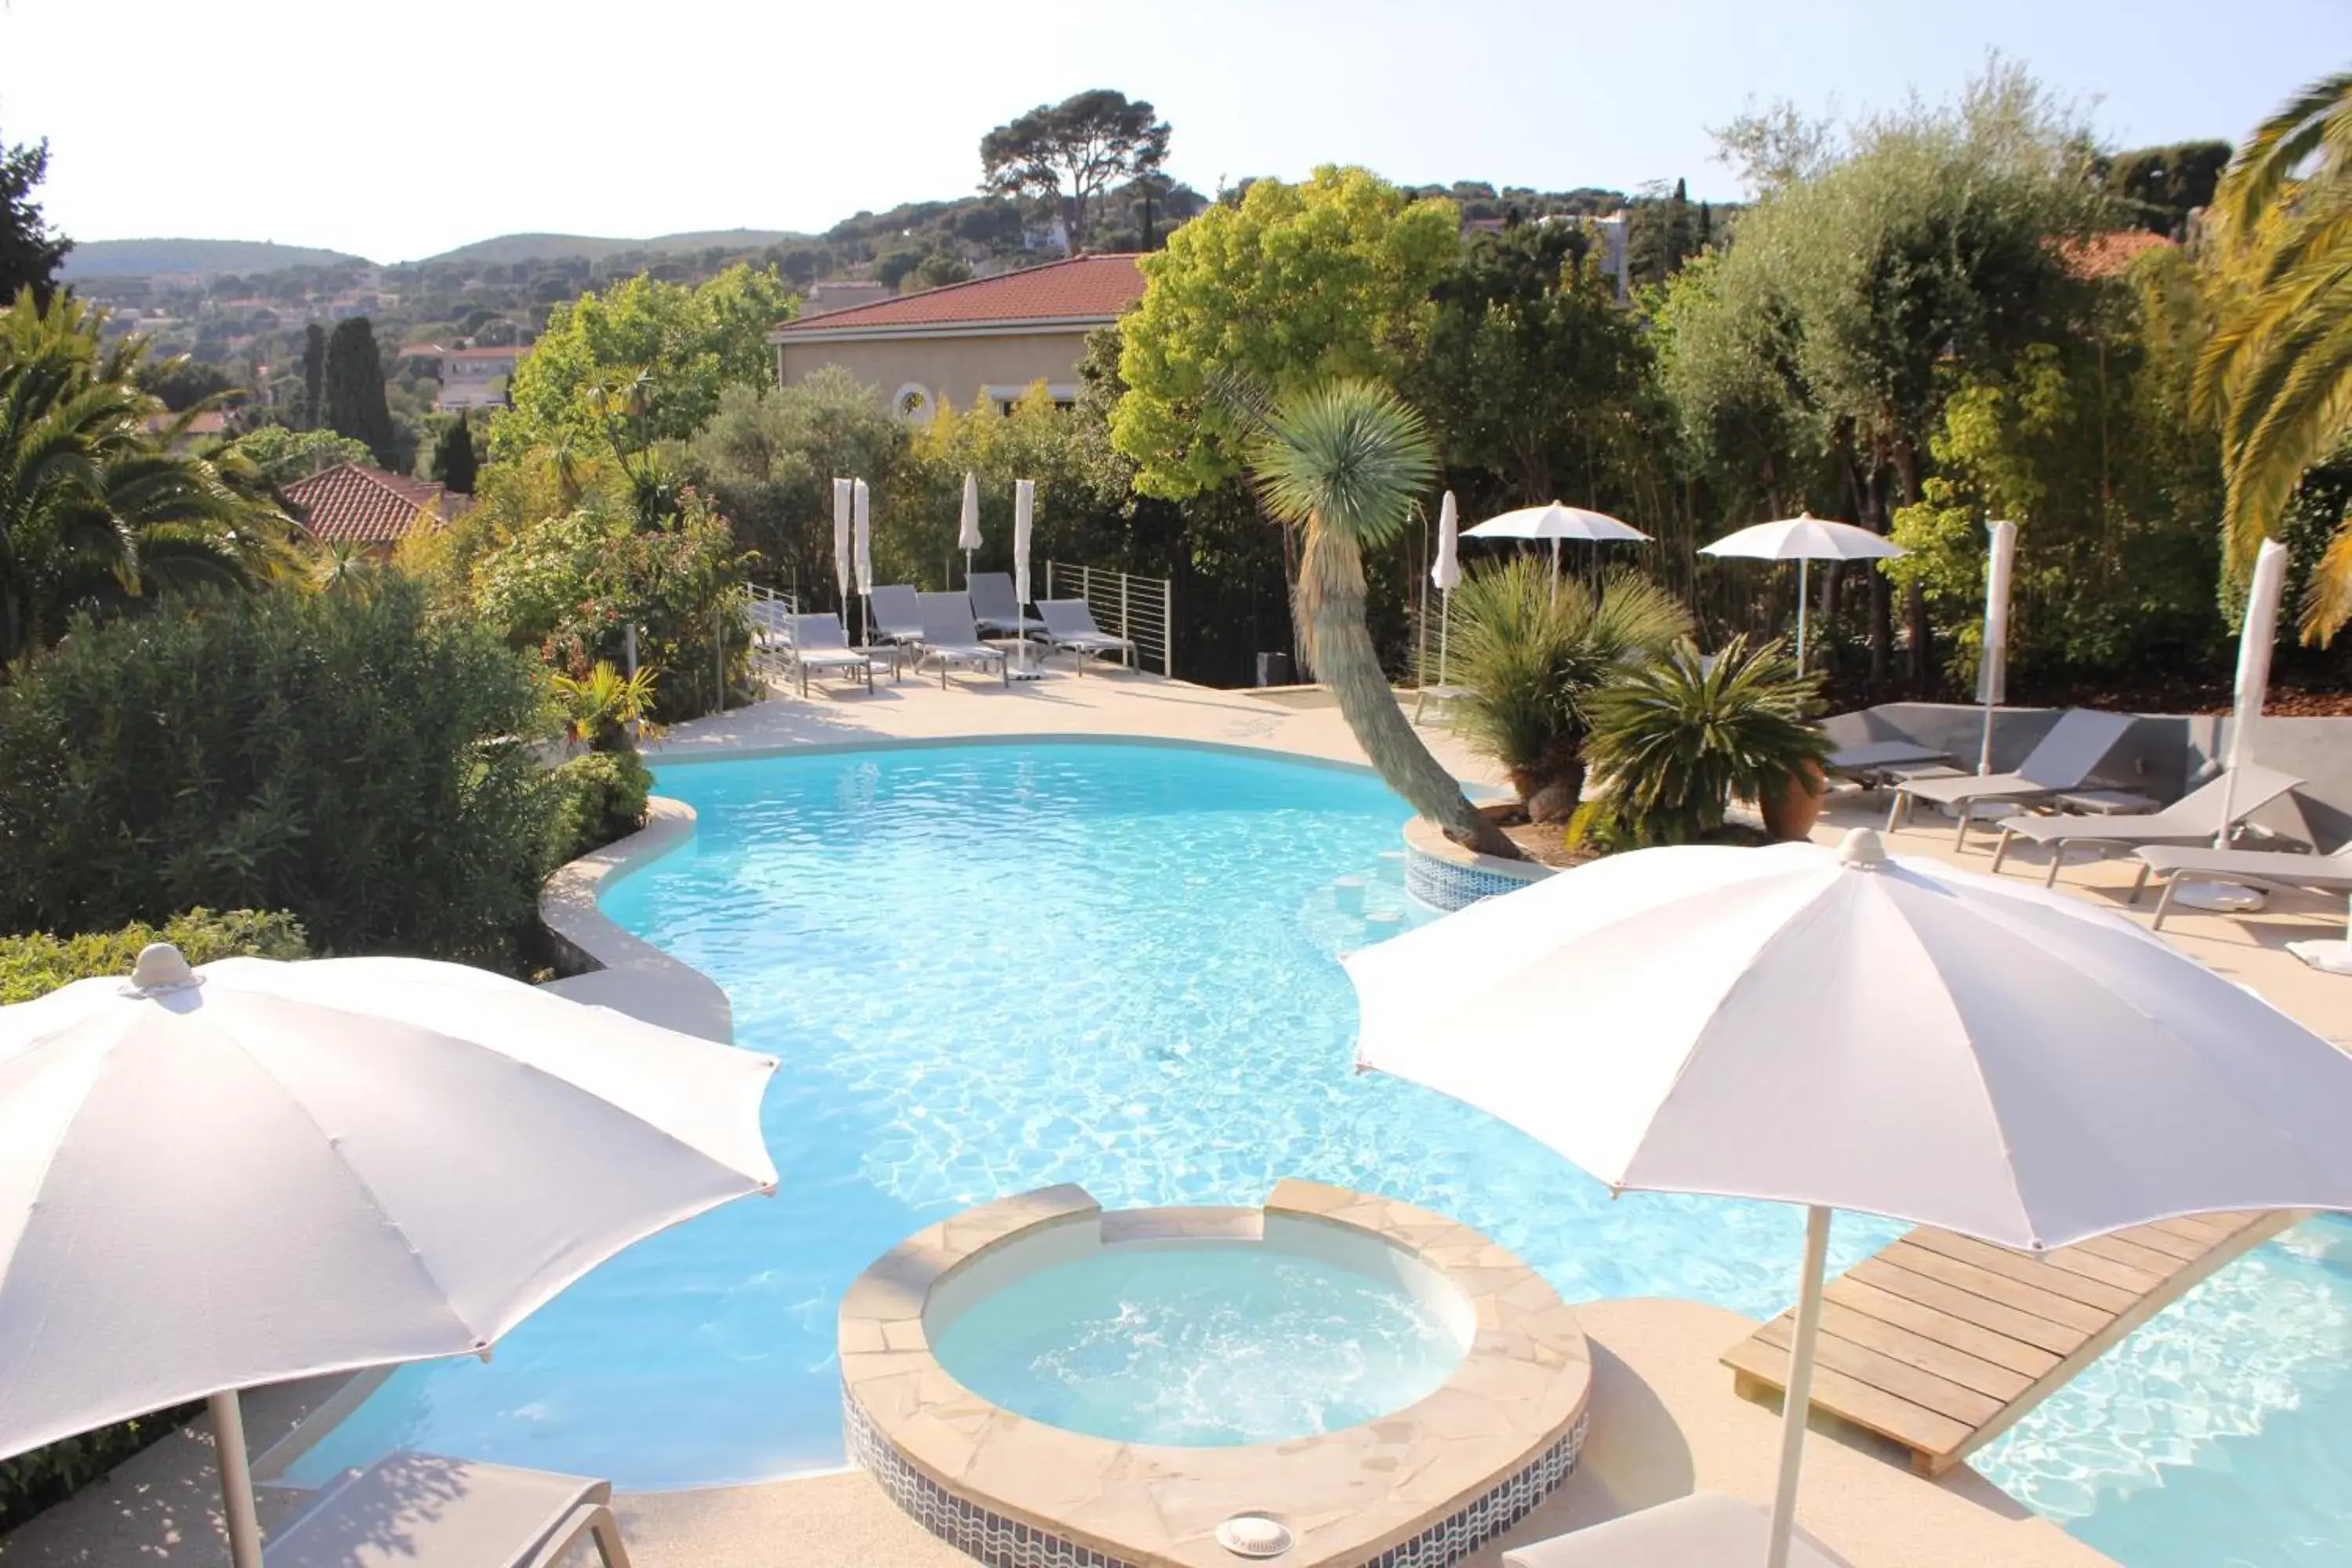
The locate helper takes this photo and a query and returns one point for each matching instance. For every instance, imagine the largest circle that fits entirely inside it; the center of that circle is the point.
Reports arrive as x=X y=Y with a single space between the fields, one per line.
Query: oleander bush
x=349 y=757
x=603 y=797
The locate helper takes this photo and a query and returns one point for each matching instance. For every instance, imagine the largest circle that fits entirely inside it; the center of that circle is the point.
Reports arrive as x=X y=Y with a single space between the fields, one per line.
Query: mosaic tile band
x=1002 y=1542
x=1448 y=885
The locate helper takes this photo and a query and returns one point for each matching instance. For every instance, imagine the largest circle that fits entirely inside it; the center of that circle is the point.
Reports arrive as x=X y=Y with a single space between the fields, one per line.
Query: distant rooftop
x=352 y=504
x=1081 y=290
x=2111 y=255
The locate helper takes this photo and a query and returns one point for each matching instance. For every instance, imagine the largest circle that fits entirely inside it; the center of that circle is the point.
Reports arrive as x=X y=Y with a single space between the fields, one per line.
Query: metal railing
x=1141 y=609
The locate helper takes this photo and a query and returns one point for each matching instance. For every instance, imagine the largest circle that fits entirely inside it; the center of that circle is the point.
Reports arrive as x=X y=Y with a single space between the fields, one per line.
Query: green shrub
x=33 y=966
x=604 y=798
x=37 y=964
x=343 y=756
x=1679 y=739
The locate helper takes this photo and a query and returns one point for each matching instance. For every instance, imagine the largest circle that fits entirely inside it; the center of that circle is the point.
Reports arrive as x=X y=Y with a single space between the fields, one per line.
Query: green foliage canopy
x=1287 y=288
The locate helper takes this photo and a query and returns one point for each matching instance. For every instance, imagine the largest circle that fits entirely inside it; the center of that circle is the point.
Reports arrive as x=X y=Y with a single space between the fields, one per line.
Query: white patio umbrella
x=967 y=527
x=258 y=1170
x=1558 y=523
x=1804 y=538
x=842 y=490
x=1446 y=575
x=1992 y=662
x=862 y=548
x=1832 y=1028
x=1024 y=509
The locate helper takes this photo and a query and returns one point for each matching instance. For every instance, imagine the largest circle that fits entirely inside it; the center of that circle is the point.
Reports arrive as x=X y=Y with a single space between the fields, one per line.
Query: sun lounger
x=818 y=646
x=895 y=615
x=950 y=637
x=415 y=1510
x=995 y=610
x=2195 y=818
x=1070 y=625
x=2329 y=873
x=1875 y=763
x=2065 y=760
x=1705 y=1530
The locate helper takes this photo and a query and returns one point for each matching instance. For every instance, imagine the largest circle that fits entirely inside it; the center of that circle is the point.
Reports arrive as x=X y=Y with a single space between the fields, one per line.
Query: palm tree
x=1342 y=463
x=2278 y=370
x=95 y=508
x=1531 y=659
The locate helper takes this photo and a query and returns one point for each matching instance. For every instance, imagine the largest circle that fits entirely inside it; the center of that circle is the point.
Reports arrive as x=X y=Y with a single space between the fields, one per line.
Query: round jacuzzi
x=1327 y=1379
x=1142 y=1334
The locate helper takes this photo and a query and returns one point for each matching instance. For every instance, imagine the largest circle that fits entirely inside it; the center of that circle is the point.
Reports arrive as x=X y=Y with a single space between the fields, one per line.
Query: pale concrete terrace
x=1664 y=1419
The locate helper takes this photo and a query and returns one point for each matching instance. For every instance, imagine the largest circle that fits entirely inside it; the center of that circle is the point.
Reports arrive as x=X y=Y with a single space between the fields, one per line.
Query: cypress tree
x=314 y=375
x=453 y=456
x=355 y=405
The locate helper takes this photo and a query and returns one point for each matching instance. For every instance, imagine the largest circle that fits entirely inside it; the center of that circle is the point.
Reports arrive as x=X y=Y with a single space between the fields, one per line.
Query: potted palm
x=1531 y=657
x=1680 y=737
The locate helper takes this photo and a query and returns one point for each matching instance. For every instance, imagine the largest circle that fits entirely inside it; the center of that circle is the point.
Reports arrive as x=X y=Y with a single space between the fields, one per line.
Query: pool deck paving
x=1664 y=1419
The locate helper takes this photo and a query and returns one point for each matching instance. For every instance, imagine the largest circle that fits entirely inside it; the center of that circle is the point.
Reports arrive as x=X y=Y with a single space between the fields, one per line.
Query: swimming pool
x=991 y=968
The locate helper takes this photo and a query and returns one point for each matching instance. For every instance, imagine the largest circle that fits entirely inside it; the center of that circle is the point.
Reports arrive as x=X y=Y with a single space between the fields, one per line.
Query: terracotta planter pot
x=1793 y=811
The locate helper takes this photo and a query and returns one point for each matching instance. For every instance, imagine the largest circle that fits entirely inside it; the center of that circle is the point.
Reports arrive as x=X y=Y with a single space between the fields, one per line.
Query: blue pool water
x=1202 y=1345
x=987 y=969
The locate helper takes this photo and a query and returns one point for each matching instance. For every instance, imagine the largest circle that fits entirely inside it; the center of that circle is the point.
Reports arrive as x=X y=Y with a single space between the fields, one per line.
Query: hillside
x=507 y=248
x=191 y=258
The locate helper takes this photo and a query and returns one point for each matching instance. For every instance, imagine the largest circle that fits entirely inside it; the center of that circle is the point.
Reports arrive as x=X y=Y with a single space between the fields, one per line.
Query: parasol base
x=2223 y=898
x=1017 y=673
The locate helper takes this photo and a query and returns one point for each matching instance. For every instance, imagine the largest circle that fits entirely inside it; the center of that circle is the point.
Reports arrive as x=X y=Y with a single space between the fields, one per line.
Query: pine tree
x=453 y=456
x=314 y=375
x=1705 y=227
x=355 y=405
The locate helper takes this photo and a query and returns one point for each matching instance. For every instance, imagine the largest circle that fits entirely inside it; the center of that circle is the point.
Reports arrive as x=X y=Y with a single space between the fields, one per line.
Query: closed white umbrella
x=862 y=550
x=258 y=1171
x=2254 y=641
x=1025 y=508
x=1992 y=662
x=1446 y=573
x=1804 y=538
x=1831 y=1028
x=1557 y=523
x=967 y=527
x=842 y=490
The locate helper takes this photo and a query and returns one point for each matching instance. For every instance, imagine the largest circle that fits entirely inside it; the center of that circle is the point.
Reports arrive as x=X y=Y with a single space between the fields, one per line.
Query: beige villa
x=992 y=338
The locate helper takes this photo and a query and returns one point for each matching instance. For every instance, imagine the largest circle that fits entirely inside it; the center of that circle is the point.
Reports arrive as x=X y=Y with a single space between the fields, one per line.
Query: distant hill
x=507 y=248
x=160 y=258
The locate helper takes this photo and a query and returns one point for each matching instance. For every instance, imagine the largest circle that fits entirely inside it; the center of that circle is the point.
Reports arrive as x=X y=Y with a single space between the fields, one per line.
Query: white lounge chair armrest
x=590 y=1518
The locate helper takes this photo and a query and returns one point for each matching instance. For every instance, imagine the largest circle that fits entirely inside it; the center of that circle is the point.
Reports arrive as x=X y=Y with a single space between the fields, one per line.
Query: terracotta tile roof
x=354 y=504
x=2111 y=255
x=1083 y=288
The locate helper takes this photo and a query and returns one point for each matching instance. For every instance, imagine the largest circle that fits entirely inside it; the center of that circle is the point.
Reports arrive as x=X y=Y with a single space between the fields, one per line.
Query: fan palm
x=1680 y=737
x=2278 y=370
x=1531 y=657
x=94 y=508
x=1342 y=462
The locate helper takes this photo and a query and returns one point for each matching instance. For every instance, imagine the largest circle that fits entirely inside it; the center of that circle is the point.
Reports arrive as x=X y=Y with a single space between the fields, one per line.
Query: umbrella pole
x=967 y=571
x=236 y=1480
x=1800 y=1397
x=1805 y=571
x=1445 y=625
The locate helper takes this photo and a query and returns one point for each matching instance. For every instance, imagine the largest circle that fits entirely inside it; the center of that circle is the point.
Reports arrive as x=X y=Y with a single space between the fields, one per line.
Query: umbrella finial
x=1861 y=847
x=161 y=968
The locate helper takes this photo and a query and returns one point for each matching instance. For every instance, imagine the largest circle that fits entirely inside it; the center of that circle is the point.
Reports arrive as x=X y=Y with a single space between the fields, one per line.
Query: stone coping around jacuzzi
x=1425 y=837
x=1514 y=1405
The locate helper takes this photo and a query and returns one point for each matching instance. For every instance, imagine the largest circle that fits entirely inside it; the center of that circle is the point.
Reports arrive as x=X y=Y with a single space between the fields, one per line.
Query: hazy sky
x=400 y=130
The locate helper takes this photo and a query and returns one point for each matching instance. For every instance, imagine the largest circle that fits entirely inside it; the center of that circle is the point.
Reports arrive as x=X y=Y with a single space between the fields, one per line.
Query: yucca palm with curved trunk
x=94 y=508
x=2278 y=370
x=1342 y=463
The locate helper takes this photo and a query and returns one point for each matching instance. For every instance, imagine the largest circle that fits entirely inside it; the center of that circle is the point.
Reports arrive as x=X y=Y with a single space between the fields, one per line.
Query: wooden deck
x=1940 y=1342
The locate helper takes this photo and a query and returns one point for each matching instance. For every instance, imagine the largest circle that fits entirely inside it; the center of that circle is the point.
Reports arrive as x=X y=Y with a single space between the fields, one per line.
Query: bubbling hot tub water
x=1201 y=1343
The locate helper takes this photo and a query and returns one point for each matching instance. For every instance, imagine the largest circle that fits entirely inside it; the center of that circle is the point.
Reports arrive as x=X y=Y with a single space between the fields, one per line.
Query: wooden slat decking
x=1940 y=1342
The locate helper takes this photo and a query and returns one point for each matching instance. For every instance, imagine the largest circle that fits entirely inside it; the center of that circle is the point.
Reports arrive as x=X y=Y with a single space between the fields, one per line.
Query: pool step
x=1940 y=1342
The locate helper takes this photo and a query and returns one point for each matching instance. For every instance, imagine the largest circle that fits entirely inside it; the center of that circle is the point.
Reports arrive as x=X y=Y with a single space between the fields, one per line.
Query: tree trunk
x=1915 y=603
x=1345 y=662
